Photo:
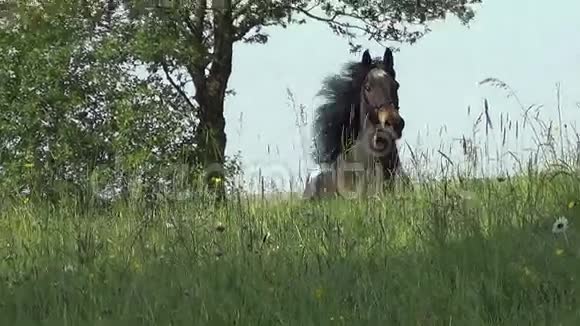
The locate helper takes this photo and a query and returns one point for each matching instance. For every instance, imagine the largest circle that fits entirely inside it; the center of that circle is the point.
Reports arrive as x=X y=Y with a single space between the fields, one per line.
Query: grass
x=480 y=252
x=458 y=250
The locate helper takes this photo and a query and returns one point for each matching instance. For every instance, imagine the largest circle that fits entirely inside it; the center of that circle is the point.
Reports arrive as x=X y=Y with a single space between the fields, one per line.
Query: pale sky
x=530 y=44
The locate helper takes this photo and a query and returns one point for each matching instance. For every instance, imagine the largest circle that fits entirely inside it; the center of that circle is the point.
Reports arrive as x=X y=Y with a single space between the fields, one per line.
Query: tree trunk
x=211 y=137
x=210 y=95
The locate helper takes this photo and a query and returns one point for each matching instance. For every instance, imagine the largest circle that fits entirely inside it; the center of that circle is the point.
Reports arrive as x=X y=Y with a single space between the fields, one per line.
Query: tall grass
x=453 y=250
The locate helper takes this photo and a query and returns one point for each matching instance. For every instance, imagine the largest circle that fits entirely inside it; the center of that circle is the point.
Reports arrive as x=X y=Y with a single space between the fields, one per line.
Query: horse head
x=379 y=103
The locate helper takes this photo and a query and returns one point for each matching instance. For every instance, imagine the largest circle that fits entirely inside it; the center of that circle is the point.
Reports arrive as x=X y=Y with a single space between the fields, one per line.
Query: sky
x=529 y=44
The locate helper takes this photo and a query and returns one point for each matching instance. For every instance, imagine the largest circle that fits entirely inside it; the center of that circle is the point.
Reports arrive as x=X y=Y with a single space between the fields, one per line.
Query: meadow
x=453 y=251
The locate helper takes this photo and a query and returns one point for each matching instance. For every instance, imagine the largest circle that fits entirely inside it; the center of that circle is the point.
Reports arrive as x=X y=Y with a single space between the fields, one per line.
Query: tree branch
x=175 y=86
x=376 y=23
x=223 y=39
x=250 y=21
x=332 y=20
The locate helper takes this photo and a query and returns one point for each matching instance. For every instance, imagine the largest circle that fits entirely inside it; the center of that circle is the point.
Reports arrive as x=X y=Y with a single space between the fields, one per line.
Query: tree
x=211 y=28
x=72 y=110
x=41 y=94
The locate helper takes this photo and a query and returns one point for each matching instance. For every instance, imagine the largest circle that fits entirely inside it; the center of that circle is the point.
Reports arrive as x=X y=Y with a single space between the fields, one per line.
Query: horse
x=356 y=130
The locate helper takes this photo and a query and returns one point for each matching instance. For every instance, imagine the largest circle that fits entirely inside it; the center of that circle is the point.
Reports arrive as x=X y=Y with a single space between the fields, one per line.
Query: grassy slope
x=481 y=253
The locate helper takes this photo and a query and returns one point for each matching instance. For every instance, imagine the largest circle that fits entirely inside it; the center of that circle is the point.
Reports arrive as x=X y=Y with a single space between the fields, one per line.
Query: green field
x=459 y=250
x=477 y=252
x=132 y=98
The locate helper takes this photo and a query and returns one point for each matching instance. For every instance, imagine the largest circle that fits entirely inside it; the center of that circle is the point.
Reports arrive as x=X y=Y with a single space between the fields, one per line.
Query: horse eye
x=367 y=88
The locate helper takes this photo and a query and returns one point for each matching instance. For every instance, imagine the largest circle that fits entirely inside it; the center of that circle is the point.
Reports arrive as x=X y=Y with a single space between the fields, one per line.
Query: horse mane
x=337 y=120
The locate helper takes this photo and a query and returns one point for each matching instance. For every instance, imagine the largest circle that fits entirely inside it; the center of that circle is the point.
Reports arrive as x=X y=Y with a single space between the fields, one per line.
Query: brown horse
x=356 y=130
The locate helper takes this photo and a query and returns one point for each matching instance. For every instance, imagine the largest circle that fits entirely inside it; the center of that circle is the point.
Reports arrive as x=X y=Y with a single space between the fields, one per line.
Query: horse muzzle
x=388 y=116
x=383 y=140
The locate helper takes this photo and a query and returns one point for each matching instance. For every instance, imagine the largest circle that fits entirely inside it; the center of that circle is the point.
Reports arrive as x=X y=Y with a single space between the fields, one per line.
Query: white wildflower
x=69 y=268
x=561 y=225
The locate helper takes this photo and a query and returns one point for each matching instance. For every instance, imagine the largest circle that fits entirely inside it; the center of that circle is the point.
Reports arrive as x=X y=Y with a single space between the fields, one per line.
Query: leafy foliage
x=72 y=108
x=378 y=20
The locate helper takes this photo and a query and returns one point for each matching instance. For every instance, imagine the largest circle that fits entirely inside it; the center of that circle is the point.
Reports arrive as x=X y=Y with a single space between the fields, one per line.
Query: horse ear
x=388 y=59
x=366 y=58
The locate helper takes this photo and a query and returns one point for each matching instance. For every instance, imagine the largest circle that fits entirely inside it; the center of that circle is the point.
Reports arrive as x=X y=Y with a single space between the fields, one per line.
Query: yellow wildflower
x=530 y=274
x=318 y=293
x=136 y=266
x=571 y=204
x=559 y=252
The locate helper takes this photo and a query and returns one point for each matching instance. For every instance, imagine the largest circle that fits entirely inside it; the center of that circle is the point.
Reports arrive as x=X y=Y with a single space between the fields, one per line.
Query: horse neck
x=356 y=152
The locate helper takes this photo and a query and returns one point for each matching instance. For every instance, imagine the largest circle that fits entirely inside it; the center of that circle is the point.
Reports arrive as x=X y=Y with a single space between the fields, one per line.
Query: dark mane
x=337 y=120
